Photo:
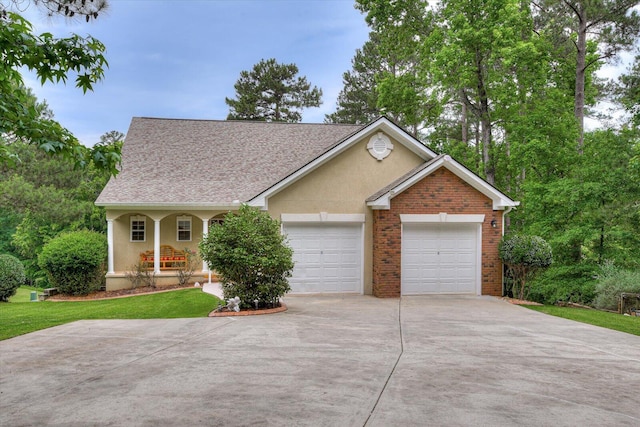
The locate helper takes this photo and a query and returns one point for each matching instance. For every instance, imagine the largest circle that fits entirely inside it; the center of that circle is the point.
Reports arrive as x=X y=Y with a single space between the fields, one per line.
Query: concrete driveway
x=327 y=361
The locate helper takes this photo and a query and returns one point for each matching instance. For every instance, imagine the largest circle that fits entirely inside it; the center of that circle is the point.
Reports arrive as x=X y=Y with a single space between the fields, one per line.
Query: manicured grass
x=618 y=322
x=19 y=316
x=23 y=294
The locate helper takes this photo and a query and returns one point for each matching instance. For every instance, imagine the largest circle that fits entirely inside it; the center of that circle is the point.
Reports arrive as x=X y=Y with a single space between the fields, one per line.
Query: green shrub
x=75 y=262
x=611 y=282
x=569 y=283
x=524 y=256
x=11 y=276
x=249 y=253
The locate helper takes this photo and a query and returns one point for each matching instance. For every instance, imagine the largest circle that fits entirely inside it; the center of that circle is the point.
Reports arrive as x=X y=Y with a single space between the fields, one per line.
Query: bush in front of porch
x=251 y=257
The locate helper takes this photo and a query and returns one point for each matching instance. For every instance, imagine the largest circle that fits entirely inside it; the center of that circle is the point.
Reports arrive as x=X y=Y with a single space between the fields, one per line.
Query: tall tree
x=483 y=52
x=272 y=92
x=52 y=59
x=628 y=91
x=610 y=25
x=403 y=87
x=358 y=100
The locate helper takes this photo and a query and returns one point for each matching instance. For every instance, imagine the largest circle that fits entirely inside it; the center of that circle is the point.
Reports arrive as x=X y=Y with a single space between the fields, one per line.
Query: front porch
x=166 y=252
x=119 y=280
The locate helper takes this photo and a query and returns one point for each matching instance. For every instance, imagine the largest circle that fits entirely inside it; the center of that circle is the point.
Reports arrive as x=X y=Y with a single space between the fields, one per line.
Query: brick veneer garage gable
x=441 y=191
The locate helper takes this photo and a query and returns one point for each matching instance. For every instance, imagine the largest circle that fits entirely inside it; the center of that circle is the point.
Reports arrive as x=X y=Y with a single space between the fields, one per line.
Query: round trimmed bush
x=250 y=254
x=11 y=276
x=75 y=262
x=524 y=255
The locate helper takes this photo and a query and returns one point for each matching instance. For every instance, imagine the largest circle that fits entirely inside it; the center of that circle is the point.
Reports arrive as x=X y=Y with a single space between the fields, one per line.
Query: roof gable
x=382 y=198
x=381 y=124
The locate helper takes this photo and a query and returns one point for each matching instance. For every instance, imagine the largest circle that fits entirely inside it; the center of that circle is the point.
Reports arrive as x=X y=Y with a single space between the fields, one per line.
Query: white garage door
x=328 y=257
x=439 y=258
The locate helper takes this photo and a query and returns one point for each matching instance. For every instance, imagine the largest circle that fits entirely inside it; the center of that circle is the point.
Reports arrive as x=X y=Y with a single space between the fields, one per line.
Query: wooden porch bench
x=170 y=258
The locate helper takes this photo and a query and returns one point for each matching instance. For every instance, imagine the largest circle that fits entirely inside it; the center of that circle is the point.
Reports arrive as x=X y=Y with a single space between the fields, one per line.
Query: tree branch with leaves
x=53 y=60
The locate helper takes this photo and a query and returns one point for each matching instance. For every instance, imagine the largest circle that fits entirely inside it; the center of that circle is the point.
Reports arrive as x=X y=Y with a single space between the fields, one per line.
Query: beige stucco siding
x=341 y=186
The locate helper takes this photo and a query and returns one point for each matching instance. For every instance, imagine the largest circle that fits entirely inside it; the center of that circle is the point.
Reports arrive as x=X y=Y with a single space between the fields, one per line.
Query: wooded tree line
x=48 y=180
x=505 y=86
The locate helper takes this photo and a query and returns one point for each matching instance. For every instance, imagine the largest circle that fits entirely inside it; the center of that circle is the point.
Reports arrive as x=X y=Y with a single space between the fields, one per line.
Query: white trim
x=442 y=217
x=156 y=246
x=205 y=232
x=500 y=200
x=380 y=125
x=184 y=218
x=322 y=217
x=138 y=218
x=201 y=206
x=110 y=267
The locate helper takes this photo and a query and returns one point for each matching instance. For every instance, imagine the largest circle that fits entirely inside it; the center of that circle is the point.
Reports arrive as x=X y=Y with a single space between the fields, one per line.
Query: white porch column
x=156 y=246
x=205 y=231
x=110 y=269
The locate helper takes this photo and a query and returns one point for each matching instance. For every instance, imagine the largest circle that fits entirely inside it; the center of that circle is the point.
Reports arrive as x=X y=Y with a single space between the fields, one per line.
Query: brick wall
x=441 y=191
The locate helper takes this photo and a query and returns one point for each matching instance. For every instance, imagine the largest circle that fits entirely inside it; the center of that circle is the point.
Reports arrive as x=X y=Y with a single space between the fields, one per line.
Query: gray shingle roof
x=208 y=162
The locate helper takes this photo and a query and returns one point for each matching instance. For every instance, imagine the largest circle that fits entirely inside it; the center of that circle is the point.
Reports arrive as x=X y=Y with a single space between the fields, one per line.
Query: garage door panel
x=327 y=257
x=439 y=258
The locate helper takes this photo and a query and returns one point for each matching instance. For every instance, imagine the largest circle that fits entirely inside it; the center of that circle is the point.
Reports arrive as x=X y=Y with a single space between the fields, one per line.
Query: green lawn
x=19 y=316
x=618 y=322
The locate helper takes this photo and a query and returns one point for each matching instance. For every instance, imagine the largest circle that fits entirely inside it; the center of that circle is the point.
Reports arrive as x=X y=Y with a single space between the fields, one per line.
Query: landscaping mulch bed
x=121 y=293
x=248 y=311
x=520 y=301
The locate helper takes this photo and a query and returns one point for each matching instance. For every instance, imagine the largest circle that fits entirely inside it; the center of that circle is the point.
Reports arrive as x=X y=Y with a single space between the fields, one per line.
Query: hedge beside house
x=75 y=262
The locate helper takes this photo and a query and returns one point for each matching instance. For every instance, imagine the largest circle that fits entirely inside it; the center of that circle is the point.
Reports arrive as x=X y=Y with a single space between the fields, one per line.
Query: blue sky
x=180 y=59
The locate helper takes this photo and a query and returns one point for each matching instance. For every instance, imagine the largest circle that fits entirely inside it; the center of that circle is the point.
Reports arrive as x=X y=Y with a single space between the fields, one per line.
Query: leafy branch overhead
x=53 y=60
x=272 y=92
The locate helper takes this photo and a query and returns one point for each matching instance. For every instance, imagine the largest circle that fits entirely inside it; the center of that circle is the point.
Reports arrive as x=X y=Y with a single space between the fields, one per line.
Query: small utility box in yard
x=34 y=296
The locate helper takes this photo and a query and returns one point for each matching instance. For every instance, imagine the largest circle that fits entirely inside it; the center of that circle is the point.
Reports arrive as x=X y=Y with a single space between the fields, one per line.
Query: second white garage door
x=328 y=257
x=439 y=258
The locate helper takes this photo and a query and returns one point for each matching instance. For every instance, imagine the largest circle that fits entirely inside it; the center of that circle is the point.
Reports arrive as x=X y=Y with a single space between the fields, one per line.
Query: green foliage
x=524 y=255
x=613 y=281
x=530 y=251
x=52 y=60
x=358 y=100
x=251 y=257
x=23 y=317
x=628 y=91
x=42 y=196
x=272 y=92
x=567 y=283
x=75 y=262
x=11 y=276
